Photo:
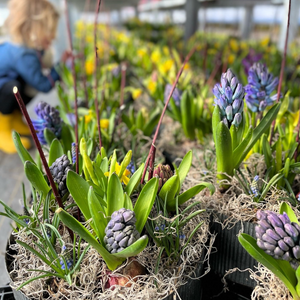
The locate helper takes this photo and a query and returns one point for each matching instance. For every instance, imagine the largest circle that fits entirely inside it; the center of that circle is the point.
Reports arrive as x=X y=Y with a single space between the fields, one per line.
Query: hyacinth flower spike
x=49 y=119
x=261 y=83
x=228 y=124
x=116 y=223
x=277 y=245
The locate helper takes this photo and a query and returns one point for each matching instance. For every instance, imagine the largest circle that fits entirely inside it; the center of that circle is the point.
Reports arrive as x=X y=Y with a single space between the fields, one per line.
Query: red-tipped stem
x=282 y=67
x=151 y=154
x=74 y=83
x=38 y=145
x=95 y=73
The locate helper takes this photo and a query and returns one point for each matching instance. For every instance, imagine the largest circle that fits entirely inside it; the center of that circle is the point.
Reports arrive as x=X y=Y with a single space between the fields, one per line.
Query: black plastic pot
x=193 y=290
x=230 y=254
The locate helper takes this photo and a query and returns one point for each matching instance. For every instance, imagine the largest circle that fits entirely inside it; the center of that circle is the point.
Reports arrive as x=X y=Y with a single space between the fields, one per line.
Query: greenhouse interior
x=149 y=149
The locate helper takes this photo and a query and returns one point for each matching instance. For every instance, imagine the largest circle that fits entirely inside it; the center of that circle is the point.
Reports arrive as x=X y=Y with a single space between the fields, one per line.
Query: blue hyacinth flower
x=260 y=85
x=229 y=97
x=176 y=94
x=48 y=118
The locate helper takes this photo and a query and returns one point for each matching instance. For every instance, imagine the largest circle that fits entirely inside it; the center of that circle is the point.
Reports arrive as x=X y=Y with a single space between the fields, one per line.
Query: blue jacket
x=20 y=61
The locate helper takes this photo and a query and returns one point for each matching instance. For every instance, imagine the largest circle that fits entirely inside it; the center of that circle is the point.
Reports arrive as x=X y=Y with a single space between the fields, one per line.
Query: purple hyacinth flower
x=250 y=59
x=278 y=236
x=48 y=118
x=176 y=94
x=259 y=88
x=229 y=98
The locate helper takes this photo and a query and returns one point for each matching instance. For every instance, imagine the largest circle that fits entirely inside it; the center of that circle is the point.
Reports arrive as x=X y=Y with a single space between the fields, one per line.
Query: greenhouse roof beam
x=173 y=4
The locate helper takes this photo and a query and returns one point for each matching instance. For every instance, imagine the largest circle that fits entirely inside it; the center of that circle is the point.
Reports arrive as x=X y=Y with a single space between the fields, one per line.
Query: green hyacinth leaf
x=169 y=191
x=127 y=202
x=267 y=151
x=175 y=110
x=113 y=163
x=111 y=261
x=126 y=161
x=67 y=137
x=223 y=151
x=98 y=215
x=278 y=156
x=238 y=151
x=36 y=178
x=56 y=151
x=134 y=249
x=49 y=136
x=104 y=165
x=115 y=194
x=134 y=180
x=23 y=153
x=187 y=112
x=79 y=190
x=192 y=192
x=99 y=192
x=140 y=121
x=216 y=119
x=298 y=281
x=185 y=166
x=145 y=203
x=233 y=133
x=249 y=243
x=260 y=129
x=153 y=120
x=284 y=207
x=101 y=178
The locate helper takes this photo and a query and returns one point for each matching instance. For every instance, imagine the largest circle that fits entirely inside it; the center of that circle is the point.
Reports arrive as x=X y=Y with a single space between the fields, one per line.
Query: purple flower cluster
x=48 y=118
x=229 y=97
x=73 y=151
x=278 y=236
x=250 y=59
x=176 y=94
x=131 y=167
x=69 y=260
x=260 y=85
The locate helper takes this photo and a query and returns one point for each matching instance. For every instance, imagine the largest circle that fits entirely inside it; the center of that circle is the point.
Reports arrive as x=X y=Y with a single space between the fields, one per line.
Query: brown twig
x=216 y=69
x=38 y=145
x=152 y=148
x=282 y=67
x=74 y=84
x=95 y=73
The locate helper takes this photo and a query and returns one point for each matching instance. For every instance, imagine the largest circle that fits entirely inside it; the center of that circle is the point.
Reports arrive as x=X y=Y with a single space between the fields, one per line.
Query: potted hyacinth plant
x=277 y=248
x=236 y=131
x=96 y=208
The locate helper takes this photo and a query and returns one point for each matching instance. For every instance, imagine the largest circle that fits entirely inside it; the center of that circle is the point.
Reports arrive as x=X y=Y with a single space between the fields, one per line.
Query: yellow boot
x=18 y=125
x=6 y=141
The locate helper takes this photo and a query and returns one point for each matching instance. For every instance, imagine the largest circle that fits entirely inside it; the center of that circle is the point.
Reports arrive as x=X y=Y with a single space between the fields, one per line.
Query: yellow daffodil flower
x=187 y=66
x=231 y=59
x=155 y=56
x=124 y=177
x=166 y=51
x=88 y=118
x=152 y=86
x=104 y=123
x=141 y=52
x=295 y=118
x=234 y=45
x=244 y=45
x=166 y=66
x=89 y=67
x=136 y=93
x=265 y=42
